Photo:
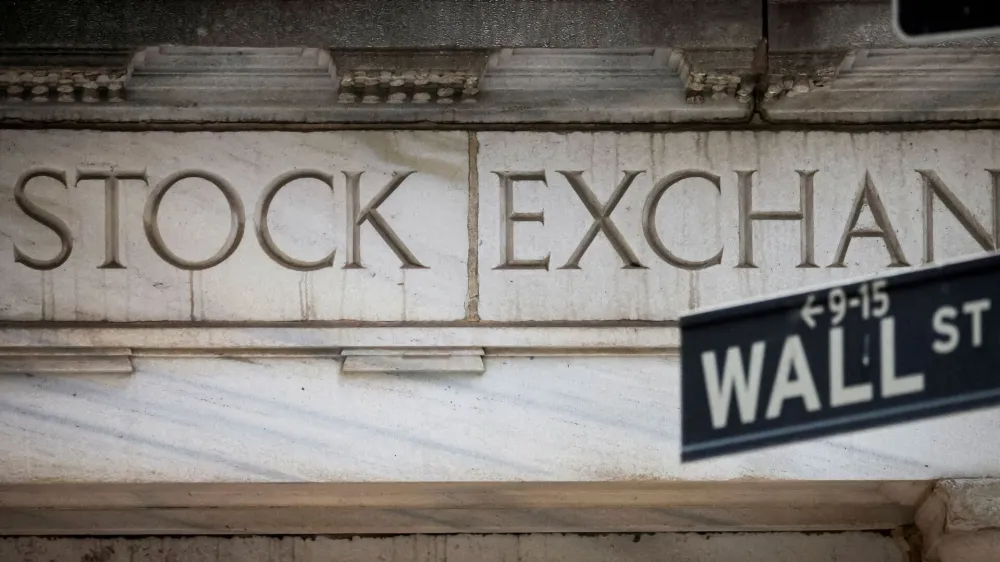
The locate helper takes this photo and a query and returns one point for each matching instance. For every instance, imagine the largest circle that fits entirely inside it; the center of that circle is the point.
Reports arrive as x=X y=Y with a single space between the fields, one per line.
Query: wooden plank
x=462 y=507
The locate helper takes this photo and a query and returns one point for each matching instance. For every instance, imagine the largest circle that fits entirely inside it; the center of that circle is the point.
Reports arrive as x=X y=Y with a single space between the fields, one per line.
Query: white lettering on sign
x=840 y=393
x=793 y=376
x=944 y=326
x=893 y=385
x=793 y=356
x=733 y=376
x=872 y=300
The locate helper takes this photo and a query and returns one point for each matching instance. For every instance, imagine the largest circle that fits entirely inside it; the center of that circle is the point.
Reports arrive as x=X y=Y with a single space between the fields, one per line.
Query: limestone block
x=181 y=233
x=645 y=226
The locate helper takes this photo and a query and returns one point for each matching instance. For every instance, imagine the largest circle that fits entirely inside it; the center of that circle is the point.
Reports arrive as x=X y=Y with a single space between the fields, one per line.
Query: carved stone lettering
x=111 y=213
x=371 y=215
x=637 y=226
x=649 y=220
x=150 y=220
x=711 y=218
x=935 y=187
x=264 y=232
x=347 y=226
x=868 y=196
x=602 y=220
x=804 y=214
x=46 y=218
x=508 y=216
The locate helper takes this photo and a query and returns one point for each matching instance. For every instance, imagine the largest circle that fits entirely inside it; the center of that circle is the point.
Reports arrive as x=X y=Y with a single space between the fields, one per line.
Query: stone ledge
x=421 y=361
x=65 y=361
x=454 y=507
x=907 y=85
x=514 y=339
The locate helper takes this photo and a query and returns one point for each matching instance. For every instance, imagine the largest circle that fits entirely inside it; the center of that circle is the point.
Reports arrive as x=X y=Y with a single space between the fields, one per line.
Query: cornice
x=308 y=86
x=497 y=87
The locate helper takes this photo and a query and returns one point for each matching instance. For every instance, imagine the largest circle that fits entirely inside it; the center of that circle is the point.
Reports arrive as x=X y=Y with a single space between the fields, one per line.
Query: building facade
x=277 y=270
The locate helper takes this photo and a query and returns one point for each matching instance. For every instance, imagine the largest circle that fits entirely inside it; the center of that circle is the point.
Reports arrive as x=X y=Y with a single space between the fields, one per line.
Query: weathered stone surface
x=385 y=23
x=406 y=260
x=772 y=547
x=821 y=25
x=885 y=86
x=250 y=419
x=960 y=521
x=698 y=219
x=280 y=404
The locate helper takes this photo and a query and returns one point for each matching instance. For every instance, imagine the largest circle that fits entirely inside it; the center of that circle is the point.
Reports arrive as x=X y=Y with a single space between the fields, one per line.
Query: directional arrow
x=809 y=311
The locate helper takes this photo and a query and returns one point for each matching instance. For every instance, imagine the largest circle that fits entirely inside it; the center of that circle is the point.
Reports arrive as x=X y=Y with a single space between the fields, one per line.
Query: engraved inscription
x=355 y=215
x=867 y=197
x=46 y=218
x=934 y=187
x=649 y=220
x=508 y=216
x=237 y=220
x=264 y=232
x=371 y=215
x=647 y=226
x=235 y=226
x=602 y=220
x=111 y=213
x=804 y=215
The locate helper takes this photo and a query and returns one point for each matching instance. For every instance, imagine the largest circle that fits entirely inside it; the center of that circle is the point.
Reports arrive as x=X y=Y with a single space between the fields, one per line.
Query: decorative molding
x=511 y=86
x=455 y=507
x=331 y=340
x=907 y=85
x=65 y=361
x=380 y=76
x=420 y=361
x=40 y=75
x=184 y=85
x=960 y=521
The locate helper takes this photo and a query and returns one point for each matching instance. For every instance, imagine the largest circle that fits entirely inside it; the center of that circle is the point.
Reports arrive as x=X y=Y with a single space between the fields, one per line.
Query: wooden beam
x=463 y=507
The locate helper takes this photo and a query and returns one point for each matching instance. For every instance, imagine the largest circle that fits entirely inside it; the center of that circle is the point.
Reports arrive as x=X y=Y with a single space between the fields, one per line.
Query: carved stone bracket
x=960 y=521
x=63 y=76
x=409 y=76
x=74 y=361
x=885 y=85
x=716 y=75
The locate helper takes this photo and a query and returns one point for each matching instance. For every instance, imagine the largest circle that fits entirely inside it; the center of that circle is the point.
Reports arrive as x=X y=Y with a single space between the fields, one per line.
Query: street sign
x=937 y=20
x=858 y=355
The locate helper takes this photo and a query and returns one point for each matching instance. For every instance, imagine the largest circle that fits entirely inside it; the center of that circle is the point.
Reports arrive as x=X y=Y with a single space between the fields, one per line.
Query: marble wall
x=544 y=418
x=563 y=258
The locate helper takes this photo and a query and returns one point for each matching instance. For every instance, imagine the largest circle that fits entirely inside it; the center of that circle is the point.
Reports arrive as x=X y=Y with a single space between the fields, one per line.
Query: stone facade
x=237 y=251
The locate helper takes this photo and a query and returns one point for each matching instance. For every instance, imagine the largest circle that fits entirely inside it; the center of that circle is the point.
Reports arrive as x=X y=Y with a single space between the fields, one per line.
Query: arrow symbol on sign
x=809 y=311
